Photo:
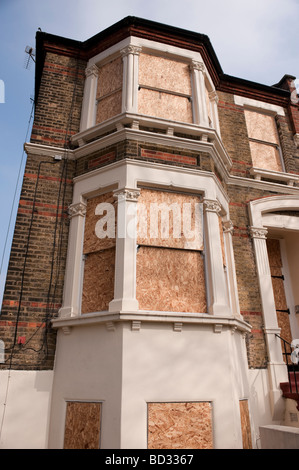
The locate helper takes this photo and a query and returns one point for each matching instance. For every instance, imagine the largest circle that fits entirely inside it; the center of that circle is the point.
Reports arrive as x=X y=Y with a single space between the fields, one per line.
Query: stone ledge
x=232 y=322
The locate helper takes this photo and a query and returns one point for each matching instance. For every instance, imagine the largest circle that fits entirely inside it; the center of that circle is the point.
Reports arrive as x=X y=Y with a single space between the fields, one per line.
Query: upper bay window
x=149 y=82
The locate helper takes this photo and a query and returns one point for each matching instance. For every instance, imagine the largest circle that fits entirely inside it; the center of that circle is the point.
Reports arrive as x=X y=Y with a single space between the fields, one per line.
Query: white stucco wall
x=126 y=368
x=24 y=408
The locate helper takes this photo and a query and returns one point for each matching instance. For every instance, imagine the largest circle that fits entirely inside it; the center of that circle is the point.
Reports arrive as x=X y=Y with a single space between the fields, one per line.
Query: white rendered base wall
x=24 y=408
x=260 y=402
x=125 y=368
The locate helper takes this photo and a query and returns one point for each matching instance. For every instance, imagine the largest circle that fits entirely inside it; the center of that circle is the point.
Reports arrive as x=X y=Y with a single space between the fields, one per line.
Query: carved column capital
x=77 y=209
x=228 y=226
x=127 y=195
x=211 y=205
x=258 y=232
x=92 y=71
x=197 y=65
x=213 y=96
x=131 y=49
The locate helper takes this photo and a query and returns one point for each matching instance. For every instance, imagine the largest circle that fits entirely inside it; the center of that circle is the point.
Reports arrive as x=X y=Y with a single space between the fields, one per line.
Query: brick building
x=155 y=252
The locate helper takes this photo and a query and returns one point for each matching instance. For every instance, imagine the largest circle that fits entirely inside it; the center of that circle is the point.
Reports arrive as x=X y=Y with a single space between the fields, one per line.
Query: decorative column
x=125 y=257
x=217 y=291
x=73 y=273
x=213 y=97
x=276 y=365
x=200 y=111
x=130 y=57
x=89 y=102
x=228 y=229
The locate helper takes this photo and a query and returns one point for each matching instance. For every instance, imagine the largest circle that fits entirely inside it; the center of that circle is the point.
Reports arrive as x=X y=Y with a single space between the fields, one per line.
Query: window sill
x=288 y=178
x=178 y=319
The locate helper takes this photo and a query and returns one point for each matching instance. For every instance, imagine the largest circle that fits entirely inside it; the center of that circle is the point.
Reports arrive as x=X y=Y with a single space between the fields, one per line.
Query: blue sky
x=257 y=40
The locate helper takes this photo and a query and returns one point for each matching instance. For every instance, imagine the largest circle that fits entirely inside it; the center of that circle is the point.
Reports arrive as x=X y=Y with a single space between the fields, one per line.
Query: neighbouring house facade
x=154 y=264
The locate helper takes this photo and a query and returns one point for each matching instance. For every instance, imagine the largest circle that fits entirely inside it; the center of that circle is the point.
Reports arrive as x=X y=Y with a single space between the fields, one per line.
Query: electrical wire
x=16 y=190
x=50 y=305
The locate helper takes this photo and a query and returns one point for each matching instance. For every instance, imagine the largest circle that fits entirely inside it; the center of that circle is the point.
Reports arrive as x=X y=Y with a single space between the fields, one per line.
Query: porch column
x=228 y=229
x=126 y=249
x=276 y=365
x=217 y=290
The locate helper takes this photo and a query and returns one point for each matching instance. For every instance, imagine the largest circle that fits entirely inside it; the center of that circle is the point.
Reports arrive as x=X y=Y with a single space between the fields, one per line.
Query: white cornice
x=196 y=319
x=263 y=185
x=47 y=151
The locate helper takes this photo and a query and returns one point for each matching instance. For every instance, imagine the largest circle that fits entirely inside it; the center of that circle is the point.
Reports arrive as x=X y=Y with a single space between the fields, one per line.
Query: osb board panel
x=180 y=425
x=98 y=283
x=261 y=126
x=283 y=321
x=170 y=280
x=273 y=248
x=275 y=261
x=222 y=241
x=245 y=425
x=167 y=74
x=164 y=105
x=279 y=293
x=92 y=242
x=82 y=426
x=109 y=107
x=110 y=77
x=265 y=156
x=177 y=225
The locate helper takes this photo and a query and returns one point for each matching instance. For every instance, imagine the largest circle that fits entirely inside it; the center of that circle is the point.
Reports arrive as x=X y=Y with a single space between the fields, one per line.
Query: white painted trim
x=257 y=210
x=146 y=316
x=259 y=105
x=259 y=173
x=259 y=207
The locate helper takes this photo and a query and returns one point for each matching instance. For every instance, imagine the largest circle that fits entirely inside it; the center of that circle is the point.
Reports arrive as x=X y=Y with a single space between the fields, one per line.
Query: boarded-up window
x=263 y=140
x=99 y=253
x=109 y=90
x=164 y=88
x=82 y=425
x=170 y=265
x=245 y=425
x=180 y=425
x=282 y=311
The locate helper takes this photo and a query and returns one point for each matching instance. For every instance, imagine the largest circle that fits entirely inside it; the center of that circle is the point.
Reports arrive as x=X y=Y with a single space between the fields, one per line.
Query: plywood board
x=261 y=126
x=110 y=77
x=95 y=214
x=178 y=224
x=180 y=425
x=170 y=280
x=273 y=248
x=82 y=425
x=275 y=262
x=245 y=425
x=265 y=156
x=168 y=74
x=109 y=107
x=98 y=283
x=164 y=105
